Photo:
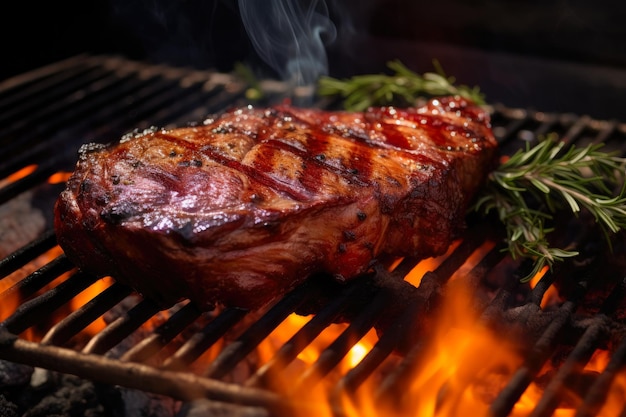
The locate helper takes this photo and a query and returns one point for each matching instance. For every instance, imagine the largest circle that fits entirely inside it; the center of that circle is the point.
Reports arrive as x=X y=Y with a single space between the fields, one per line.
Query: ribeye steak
x=243 y=207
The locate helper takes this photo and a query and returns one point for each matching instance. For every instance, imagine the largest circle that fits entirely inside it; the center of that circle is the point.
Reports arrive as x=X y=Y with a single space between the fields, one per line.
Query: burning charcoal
x=67 y=396
x=202 y=408
x=7 y=408
x=75 y=397
x=139 y=403
x=14 y=374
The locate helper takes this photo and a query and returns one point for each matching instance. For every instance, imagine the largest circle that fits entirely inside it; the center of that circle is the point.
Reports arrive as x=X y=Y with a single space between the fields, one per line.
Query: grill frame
x=200 y=93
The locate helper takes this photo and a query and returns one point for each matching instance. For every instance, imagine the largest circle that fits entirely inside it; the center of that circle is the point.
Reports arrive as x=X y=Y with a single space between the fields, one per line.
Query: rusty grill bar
x=47 y=114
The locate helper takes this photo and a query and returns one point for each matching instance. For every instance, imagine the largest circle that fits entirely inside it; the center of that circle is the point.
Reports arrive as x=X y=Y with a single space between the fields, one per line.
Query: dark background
x=554 y=55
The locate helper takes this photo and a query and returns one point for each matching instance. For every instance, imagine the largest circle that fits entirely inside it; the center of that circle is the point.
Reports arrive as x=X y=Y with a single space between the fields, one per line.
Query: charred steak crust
x=244 y=207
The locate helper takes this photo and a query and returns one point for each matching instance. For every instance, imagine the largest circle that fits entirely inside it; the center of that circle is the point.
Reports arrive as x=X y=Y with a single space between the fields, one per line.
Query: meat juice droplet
x=437 y=128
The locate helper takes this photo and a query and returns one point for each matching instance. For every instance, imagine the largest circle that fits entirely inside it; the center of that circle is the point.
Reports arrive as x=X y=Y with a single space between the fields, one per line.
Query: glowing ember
x=18 y=175
x=475 y=257
x=59 y=177
x=551 y=297
x=615 y=397
x=86 y=296
x=429 y=264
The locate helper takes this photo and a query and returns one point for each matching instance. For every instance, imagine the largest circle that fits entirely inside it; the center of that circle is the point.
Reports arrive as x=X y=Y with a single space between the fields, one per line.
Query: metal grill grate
x=46 y=115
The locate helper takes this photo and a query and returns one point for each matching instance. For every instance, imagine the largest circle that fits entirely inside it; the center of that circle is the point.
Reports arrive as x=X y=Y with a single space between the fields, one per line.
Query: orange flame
x=86 y=296
x=615 y=397
x=56 y=178
x=551 y=296
x=18 y=175
x=451 y=382
x=462 y=368
x=59 y=177
x=12 y=301
x=13 y=298
x=429 y=264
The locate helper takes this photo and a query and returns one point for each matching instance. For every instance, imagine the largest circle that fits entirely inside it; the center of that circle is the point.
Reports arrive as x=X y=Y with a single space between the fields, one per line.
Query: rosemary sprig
x=551 y=181
x=402 y=87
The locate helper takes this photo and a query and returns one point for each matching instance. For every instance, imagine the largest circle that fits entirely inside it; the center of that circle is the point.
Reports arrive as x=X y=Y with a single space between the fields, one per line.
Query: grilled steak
x=245 y=206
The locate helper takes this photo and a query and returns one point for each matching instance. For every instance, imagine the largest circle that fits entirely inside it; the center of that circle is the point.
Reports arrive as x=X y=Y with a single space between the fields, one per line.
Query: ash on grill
x=184 y=362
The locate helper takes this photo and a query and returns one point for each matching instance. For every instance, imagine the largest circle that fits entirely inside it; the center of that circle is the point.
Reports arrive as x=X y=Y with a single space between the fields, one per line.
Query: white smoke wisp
x=289 y=36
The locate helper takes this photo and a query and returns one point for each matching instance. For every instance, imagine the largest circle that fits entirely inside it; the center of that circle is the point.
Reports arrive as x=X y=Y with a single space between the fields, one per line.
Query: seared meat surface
x=244 y=207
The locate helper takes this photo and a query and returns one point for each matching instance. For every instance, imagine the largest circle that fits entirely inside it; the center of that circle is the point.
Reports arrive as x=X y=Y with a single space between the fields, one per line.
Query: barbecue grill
x=188 y=355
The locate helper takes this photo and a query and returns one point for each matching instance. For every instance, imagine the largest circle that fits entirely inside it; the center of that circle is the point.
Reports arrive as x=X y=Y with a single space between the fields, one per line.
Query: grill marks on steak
x=244 y=207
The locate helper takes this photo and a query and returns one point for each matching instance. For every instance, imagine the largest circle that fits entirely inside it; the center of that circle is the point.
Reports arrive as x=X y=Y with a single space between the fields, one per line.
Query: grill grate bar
x=548 y=124
x=581 y=354
x=96 y=104
x=27 y=253
x=430 y=292
x=598 y=392
x=41 y=173
x=82 y=101
x=46 y=90
x=162 y=335
x=304 y=336
x=17 y=83
x=506 y=124
x=38 y=279
x=121 y=328
x=608 y=130
x=401 y=375
x=537 y=293
x=259 y=330
x=203 y=340
x=535 y=359
x=614 y=299
x=473 y=239
x=180 y=385
x=157 y=99
x=96 y=109
x=394 y=336
x=30 y=312
x=576 y=130
x=503 y=297
x=80 y=318
x=192 y=106
x=386 y=344
x=333 y=354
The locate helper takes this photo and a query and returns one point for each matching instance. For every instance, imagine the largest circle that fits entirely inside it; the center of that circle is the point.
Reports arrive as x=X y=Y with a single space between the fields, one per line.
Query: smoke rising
x=289 y=35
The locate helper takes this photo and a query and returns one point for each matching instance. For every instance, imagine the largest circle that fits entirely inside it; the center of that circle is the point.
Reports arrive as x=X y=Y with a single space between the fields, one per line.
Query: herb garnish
x=403 y=86
x=576 y=179
x=527 y=190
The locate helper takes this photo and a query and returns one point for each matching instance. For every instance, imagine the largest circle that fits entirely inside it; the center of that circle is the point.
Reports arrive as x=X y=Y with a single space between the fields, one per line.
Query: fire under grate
x=47 y=114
